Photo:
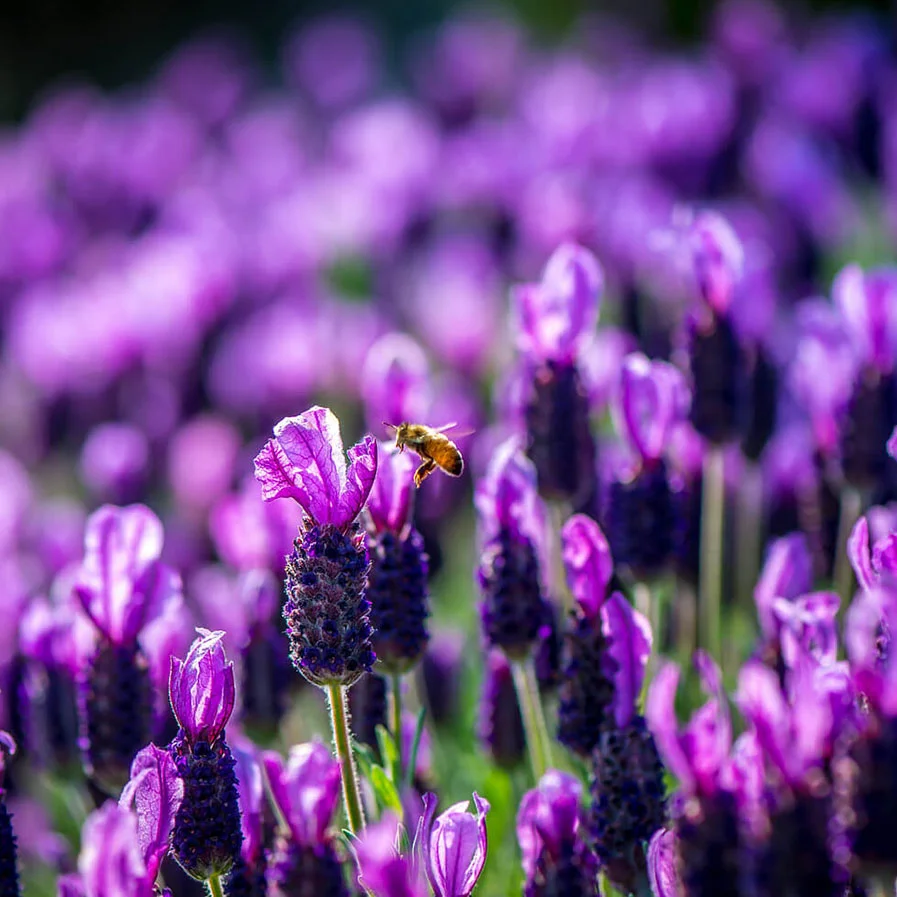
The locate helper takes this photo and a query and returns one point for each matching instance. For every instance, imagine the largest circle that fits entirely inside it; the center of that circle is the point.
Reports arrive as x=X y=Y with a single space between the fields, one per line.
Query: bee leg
x=424 y=471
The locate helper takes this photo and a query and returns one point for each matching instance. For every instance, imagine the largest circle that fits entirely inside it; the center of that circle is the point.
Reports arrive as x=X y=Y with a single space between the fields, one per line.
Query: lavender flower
x=641 y=516
x=556 y=858
x=9 y=870
x=867 y=302
x=501 y=722
x=383 y=870
x=440 y=673
x=397 y=581
x=587 y=687
x=207 y=837
x=248 y=876
x=512 y=526
x=555 y=319
x=121 y=585
x=326 y=610
x=662 y=871
x=306 y=791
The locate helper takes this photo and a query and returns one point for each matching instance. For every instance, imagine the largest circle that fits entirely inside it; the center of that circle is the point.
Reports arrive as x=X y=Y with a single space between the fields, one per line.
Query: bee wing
x=464 y=431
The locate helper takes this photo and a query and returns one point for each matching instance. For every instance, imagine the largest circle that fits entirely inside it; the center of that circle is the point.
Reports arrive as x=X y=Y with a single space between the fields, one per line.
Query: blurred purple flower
x=662 y=871
x=868 y=304
x=787 y=572
x=201 y=460
x=500 y=723
x=383 y=870
x=115 y=462
x=250 y=868
x=391 y=498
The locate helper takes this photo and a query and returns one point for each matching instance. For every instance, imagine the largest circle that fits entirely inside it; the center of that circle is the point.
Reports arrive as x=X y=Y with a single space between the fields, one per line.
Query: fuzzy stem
x=339 y=722
x=216 y=889
x=537 y=739
x=748 y=535
x=395 y=722
x=713 y=511
x=851 y=507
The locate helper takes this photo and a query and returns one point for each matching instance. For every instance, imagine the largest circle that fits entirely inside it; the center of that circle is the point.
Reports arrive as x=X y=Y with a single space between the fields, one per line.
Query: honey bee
x=433 y=446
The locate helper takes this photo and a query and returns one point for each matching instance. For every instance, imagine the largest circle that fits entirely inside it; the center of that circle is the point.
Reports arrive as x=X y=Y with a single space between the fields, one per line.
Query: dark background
x=116 y=41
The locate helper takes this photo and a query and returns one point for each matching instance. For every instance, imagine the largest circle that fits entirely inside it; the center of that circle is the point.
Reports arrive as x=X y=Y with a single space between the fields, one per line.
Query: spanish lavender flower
x=9 y=871
x=248 y=875
x=716 y=360
x=326 y=610
x=501 y=723
x=795 y=734
x=306 y=790
x=868 y=305
x=512 y=526
x=440 y=675
x=397 y=581
x=121 y=585
x=628 y=793
x=556 y=858
x=113 y=858
x=555 y=319
x=640 y=516
x=207 y=838
x=707 y=814
x=587 y=688
x=115 y=462
x=383 y=870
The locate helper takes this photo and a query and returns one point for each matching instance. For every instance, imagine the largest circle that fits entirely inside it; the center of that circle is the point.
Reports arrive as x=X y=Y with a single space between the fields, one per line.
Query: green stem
x=339 y=721
x=686 y=620
x=851 y=508
x=537 y=739
x=215 y=887
x=647 y=603
x=748 y=535
x=395 y=723
x=713 y=509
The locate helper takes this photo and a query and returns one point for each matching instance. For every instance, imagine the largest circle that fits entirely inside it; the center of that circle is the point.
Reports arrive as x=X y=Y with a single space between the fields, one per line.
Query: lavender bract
x=326 y=611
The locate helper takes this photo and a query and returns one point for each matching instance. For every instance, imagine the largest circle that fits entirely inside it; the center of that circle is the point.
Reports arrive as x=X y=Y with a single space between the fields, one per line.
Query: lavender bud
x=501 y=724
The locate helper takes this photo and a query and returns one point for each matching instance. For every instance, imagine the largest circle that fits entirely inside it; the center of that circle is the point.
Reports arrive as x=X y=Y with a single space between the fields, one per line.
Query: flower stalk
x=395 y=723
x=537 y=740
x=339 y=722
x=215 y=887
x=713 y=511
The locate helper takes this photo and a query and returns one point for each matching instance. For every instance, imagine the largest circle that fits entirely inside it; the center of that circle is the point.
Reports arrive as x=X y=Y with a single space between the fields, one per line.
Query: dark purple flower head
x=154 y=793
x=306 y=461
x=556 y=316
x=549 y=817
x=452 y=846
x=699 y=754
x=653 y=399
x=500 y=723
x=122 y=584
x=201 y=688
x=787 y=572
x=395 y=381
x=391 y=500
x=588 y=562
x=868 y=304
x=306 y=789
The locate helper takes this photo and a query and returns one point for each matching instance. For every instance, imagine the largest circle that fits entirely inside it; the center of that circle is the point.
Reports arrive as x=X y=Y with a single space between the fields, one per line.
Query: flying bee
x=433 y=446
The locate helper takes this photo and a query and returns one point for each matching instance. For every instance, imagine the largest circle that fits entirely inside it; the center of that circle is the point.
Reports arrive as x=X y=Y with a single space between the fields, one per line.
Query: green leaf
x=389 y=755
x=384 y=790
x=415 y=745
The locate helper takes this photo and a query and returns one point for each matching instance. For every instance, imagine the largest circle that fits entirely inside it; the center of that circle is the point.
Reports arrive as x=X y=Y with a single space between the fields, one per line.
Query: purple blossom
x=251 y=792
x=115 y=461
x=201 y=688
x=391 y=500
x=653 y=399
x=662 y=871
x=588 y=562
x=383 y=870
x=306 y=461
x=871 y=612
x=201 y=460
x=872 y=564
x=808 y=623
x=453 y=845
x=122 y=584
x=306 y=789
x=558 y=315
x=699 y=754
x=868 y=303
x=154 y=793
x=549 y=816
x=787 y=572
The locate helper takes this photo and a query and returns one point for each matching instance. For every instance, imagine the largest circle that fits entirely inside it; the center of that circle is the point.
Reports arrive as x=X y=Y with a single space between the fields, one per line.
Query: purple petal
x=382 y=869
x=110 y=861
x=884 y=556
x=154 y=792
x=391 y=496
x=718 y=259
x=548 y=815
x=892 y=444
x=787 y=573
x=860 y=555
x=360 y=478
x=662 y=869
x=651 y=403
x=588 y=561
x=760 y=700
x=71 y=885
x=630 y=647
x=421 y=847
x=868 y=303
x=121 y=546
x=660 y=714
x=810 y=623
x=394 y=381
x=251 y=791
x=557 y=314
x=458 y=849
x=202 y=689
x=708 y=737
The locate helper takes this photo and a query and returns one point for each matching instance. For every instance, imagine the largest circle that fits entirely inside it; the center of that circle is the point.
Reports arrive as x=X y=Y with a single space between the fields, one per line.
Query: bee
x=433 y=446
